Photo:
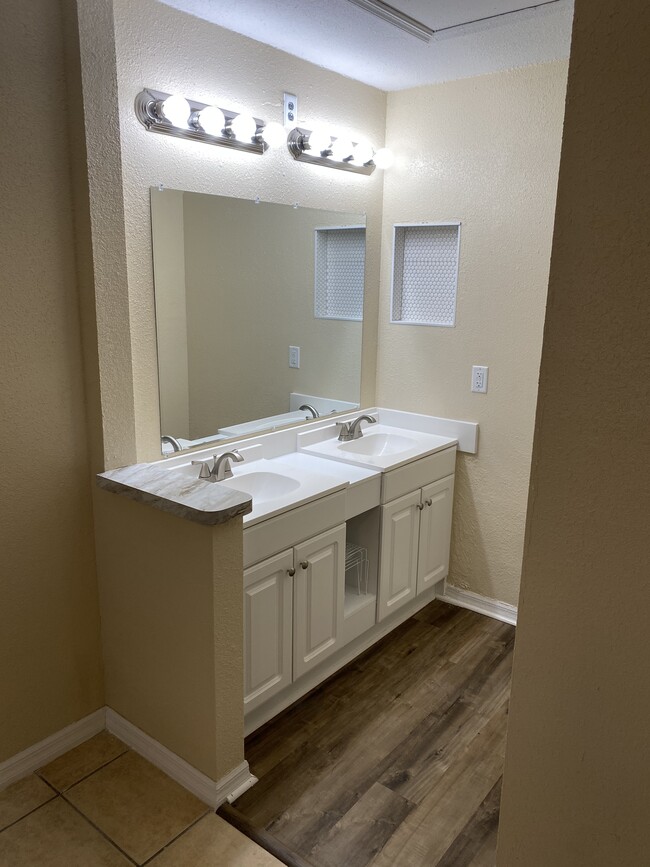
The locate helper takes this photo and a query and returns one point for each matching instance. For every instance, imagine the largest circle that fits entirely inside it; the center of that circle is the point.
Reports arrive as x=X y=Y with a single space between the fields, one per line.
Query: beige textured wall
x=250 y=295
x=578 y=754
x=107 y=320
x=211 y=64
x=484 y=151
x=168 y=229
x=50 y=669
x=171 y=602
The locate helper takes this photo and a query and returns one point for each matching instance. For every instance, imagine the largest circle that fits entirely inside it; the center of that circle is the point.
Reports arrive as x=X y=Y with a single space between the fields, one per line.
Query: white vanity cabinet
x=268 y=615
x=415 y=531
x=293 y=614
x=435 y=533
x=398 y=560
x=319 y=592
x=342 y=542
x=304 y=615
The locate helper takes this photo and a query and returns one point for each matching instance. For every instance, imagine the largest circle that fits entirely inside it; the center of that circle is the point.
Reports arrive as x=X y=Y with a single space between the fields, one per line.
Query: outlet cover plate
x=479 y=379
x=290 y=110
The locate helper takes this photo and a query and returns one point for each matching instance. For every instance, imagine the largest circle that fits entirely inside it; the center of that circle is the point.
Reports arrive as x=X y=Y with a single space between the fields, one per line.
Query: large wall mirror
x=259 y=311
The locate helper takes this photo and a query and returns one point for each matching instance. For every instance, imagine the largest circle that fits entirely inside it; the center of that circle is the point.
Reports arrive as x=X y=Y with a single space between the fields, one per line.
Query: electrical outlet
x=294 y=356
x=479 y=379
x=290 y=109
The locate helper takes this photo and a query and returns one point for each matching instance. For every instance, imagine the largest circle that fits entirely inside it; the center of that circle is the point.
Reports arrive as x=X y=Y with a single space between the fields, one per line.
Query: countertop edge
x=174 y=507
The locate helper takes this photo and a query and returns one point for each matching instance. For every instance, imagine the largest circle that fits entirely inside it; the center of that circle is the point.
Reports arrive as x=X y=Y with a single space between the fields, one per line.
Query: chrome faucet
x=351 y=430
x=221 y=468
x=166 y=438
x=307 y=407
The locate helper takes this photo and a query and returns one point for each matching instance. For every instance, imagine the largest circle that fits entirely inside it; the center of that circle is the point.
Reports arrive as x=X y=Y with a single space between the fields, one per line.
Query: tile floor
x=102 y=804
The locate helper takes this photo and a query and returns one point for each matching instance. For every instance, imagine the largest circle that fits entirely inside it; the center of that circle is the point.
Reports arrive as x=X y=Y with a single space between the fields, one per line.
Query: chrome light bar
x=298 y=144
x=149 y=111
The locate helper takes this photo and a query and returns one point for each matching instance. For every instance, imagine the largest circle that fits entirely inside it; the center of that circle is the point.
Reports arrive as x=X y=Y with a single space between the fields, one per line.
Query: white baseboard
x=211 y=792
x=491 y=607
x=51 y=748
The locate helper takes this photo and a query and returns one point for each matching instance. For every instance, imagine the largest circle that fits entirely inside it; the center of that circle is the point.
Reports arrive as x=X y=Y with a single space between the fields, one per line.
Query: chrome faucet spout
x=351 y=430
x=222 y=469
x=307 y=407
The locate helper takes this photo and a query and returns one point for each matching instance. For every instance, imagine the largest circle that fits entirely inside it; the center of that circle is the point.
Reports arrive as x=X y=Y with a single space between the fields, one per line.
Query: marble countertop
x=180 y=495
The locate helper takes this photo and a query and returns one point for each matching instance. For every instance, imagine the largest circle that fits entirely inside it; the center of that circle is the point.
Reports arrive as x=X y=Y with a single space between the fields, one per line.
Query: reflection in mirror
x=258 y=314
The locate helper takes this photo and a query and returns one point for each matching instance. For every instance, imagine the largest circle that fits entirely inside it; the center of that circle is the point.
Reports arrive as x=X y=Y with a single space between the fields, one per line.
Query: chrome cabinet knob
x=420 y=506
x=291 y=572
x=429 y=501
x=304 y=564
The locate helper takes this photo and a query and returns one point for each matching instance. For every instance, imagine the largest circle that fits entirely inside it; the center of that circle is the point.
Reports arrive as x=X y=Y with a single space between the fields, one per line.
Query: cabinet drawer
x=363 y=496
x=415 y=475
x=285 y=530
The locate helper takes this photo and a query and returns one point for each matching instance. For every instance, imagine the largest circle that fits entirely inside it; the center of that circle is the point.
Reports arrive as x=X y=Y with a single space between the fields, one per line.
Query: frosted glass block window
x=425 y=274
x=339 y=272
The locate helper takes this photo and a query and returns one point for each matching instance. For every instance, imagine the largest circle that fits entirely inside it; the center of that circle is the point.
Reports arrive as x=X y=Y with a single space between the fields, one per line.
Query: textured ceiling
x=340 y=36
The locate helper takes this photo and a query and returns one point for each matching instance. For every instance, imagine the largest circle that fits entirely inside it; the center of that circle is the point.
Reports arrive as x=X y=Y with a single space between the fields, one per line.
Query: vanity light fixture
x=173 y=114
x=341 y=149
x=384 y=158
x=274 y=134
x=320 y=148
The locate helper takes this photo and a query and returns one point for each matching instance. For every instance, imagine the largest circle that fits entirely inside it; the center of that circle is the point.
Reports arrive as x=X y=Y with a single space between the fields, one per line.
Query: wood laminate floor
x=397 y=760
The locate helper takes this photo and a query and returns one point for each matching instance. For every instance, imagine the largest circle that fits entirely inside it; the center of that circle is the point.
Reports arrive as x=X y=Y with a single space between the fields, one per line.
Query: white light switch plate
x=294 y=356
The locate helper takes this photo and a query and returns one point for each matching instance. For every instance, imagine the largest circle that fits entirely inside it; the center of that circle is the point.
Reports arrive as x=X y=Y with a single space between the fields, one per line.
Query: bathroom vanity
x=342 y=541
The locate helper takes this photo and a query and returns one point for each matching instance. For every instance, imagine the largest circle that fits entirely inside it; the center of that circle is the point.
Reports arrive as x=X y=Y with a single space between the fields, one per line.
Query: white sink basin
x=262 y=486
x=379 y=444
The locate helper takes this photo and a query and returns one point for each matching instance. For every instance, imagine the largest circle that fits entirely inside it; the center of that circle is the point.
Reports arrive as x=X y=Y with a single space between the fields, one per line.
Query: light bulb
x=362 y=153
x=383 y=159
x=211 y=120
x=341 y=149
x=244 y=127
x=319 y=141
x=274 y=134
x=176 y=109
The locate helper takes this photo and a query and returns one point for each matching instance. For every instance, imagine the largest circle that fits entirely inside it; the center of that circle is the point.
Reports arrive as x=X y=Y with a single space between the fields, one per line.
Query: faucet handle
x=344 y=430
x=204 y=472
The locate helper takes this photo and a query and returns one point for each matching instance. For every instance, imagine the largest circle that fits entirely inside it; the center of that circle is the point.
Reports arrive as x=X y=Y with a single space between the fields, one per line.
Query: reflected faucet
x=166 y=438
x=307 y=407
x=221 y=468
x=351 y=430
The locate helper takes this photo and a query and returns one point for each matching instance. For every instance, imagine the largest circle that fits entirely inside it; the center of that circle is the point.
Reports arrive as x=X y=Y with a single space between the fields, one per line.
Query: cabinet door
x=399 y=553
x=268 y=602
x=435 y=532
x=319 y=591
